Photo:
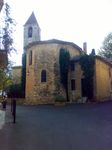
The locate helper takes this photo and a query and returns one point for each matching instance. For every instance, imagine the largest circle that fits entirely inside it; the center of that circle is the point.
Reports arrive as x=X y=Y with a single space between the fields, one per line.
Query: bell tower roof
x=31 y=20
x=31 y=30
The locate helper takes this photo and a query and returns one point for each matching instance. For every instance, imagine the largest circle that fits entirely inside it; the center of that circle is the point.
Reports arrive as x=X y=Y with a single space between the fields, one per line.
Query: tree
x=7 y=43
x=5 y=80
x=15 y=90
x=106 y=49
x=23 y=78
x=64 y=60
x=93 y=53
x=87 y=65
x=7 y=39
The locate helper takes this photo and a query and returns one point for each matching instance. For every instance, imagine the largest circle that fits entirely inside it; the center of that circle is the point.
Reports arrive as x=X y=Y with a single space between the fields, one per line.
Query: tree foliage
x=15 y=90
x=106 y=49
x=5 y=80
x=64 y=61
x=7 y=39
x=87 y=65
x=93 y=53
x=23 y=78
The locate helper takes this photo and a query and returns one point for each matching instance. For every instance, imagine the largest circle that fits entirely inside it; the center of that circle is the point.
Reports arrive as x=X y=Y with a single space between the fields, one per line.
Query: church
x=43 y=83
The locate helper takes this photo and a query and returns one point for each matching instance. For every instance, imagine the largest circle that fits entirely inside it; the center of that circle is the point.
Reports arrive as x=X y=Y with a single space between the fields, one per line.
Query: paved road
x=73 y=127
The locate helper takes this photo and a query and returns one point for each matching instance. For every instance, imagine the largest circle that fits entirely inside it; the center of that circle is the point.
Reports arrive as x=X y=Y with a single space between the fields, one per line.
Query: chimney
x=85 y=47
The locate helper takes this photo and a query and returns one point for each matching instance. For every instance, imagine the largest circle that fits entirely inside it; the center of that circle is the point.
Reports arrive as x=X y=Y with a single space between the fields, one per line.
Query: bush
x=15 y=91
x=60 y=98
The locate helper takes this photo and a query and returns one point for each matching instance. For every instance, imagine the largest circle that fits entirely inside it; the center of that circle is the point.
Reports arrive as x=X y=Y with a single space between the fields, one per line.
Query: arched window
x=30 y=31
x=30 y=57
x=43 y=76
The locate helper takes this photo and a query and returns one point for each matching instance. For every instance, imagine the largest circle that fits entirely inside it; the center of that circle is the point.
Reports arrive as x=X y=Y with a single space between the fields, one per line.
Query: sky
x=75 y=21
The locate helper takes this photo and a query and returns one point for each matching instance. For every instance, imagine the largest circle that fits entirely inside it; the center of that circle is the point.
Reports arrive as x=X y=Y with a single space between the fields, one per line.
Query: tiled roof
x=55 y=41
x=77 y=58
x=104 y=60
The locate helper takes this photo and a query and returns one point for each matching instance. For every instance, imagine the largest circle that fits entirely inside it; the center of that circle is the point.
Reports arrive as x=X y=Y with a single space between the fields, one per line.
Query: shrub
x=60 y=98
x=15 y=91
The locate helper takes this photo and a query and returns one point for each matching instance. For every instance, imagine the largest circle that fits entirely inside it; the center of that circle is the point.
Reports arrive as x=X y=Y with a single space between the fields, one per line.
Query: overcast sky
x=76 y=21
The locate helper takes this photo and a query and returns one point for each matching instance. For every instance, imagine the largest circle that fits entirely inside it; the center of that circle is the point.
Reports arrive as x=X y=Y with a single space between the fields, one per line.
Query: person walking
x=4 y=103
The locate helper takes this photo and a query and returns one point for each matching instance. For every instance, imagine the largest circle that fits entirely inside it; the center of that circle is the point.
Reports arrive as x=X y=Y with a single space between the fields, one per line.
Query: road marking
x=2 y=118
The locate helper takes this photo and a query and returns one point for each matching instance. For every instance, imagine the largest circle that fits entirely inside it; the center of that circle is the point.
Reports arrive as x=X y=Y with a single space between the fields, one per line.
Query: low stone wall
x=23 y=101
x=19 y=101
x=37 y=101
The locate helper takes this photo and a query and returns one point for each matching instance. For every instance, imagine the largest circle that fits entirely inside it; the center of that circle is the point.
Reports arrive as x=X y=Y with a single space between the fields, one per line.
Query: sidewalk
x=5 y=116
x=2 y=118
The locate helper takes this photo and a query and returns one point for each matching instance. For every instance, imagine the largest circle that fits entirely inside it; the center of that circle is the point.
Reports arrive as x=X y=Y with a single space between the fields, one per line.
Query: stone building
x=43 y=70
x=102 y=79
x=16 y=74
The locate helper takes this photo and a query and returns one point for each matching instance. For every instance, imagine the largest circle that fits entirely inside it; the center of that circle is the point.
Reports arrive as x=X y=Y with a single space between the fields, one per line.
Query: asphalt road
x=47 y=127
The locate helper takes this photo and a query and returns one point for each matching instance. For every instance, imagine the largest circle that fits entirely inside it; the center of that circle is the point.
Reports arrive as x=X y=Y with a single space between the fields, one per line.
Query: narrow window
x=73 y=84
x=72 y=66
x=30 y=58
x=43 y=76
x=109 y=72
x=30 y=31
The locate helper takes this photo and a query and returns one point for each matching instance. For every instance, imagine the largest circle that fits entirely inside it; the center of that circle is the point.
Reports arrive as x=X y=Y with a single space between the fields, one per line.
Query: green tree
x=5 y=80
x=106 y=49
x=7 y=44
x=87 y=65
x=15 y=90
x=23 y=78
x=7 y=38
x=64 y=61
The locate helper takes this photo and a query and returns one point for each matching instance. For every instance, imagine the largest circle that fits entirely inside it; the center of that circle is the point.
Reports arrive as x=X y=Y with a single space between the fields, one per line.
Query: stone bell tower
x=31 y=30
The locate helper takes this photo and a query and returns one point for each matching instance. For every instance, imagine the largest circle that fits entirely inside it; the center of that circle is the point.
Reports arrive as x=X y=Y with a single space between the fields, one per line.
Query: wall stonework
x=16 y=74
x=31 y=30
x=35 y=34
x=75 y=95
x=103 y=80
x=45 y=57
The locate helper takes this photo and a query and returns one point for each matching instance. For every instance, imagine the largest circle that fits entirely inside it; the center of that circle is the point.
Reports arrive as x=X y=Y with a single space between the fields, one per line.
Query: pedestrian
x=4 y=103
x=14 y=110
x=11 y=106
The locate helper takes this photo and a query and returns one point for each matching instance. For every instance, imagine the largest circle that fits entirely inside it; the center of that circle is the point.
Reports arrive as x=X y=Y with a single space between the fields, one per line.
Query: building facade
x=43 y=69
x=16 y=74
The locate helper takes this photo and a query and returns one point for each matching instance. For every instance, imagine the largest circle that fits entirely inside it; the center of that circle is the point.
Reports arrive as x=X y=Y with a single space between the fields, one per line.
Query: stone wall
x=103 y=80
x=16 y=74
x=75 y=95
x=45 y=57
